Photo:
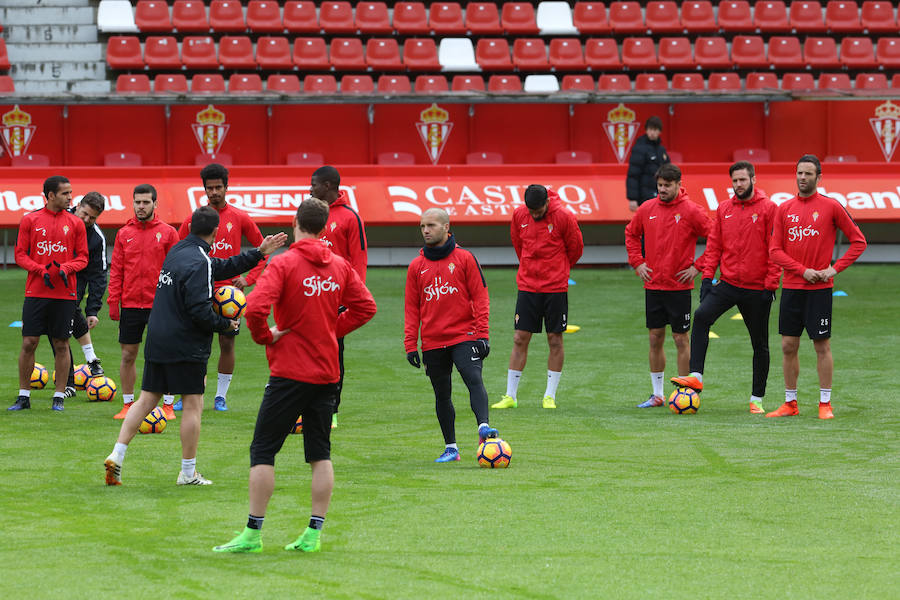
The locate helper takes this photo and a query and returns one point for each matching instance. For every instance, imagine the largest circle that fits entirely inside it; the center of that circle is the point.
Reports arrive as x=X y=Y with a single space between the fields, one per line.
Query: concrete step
x=71 y=15
x=90 y=87
x=58 y=71
x=41 y=88
x=47 y=34
x=55 y=3
x=77 y=52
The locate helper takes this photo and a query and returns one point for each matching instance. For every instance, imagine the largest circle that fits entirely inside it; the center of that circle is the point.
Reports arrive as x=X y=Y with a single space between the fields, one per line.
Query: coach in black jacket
x=179 y=336
x=647 y=156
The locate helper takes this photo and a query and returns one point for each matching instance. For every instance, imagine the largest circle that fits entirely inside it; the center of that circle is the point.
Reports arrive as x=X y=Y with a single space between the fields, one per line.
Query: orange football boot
x=689 y=382
x=825 y=411
x=169 y=412
x=788 y=409
x=121 y=414
x=756 y=409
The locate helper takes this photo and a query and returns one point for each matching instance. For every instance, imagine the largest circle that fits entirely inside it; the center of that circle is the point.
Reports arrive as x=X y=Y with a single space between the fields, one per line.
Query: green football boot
x=310 y=541
x=249 y=540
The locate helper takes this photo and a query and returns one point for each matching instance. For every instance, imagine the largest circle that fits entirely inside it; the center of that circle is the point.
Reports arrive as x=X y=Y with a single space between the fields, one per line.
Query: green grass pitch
x=602 y=500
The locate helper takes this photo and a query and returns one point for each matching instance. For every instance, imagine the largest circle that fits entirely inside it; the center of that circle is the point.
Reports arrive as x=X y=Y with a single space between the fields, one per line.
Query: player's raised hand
x=277 y=333
x=273 y=242
x=644 y=272
x=687 y=274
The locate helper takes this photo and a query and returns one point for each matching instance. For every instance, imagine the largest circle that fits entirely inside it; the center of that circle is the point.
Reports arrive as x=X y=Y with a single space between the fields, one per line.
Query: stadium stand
x=484 y=158
x=313 y=159
x=122 y=159
x=574 y=157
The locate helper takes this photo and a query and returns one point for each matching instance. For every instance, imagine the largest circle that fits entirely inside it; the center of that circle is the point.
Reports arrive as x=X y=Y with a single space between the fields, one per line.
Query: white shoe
x=196 y=479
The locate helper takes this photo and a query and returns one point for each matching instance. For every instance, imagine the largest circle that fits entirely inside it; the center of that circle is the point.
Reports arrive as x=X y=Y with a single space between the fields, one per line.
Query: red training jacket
x=345 y=234
x=803 y=238
x=138 y=254
x=738 y=243
x=233 y=224
x=306 y=285
x=547 y=249
x=448 y=298
x=670 y=231
x=44 y=237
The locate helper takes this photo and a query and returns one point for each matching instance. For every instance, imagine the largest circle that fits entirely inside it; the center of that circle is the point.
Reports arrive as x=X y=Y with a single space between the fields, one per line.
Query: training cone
x=839 y=293
x=713 y=336
x=738 y=317
x=572 y=328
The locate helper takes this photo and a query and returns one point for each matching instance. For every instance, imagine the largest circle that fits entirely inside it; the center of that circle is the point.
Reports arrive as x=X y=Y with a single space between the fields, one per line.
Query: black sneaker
x=21 y=403
x=96 y=369
x=58 y=405
x=69 y=393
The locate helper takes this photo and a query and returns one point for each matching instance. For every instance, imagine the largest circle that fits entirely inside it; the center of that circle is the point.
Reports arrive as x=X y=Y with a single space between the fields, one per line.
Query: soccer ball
x=155 y=422
x=684 y=401
x=100 y=389
x=494 y=453
x=229 y=302
x=298 y=426
x=82 y=376
x=39 y=377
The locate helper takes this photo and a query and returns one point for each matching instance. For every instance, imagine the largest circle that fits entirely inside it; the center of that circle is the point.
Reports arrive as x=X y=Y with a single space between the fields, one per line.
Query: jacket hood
x=342 y=200
x=154 y=220
x=314 y=251
x=681 y=197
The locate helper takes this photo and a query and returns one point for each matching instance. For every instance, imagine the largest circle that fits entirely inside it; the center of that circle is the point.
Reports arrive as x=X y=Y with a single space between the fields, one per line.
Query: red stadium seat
x=574 y=157
x=264 y=16
x=283 y=84
x=504 y=83
x=698 y=17
x=189 y=16
x=842 y=16
x=4 y=56
x=887 y=53
x=676 y=53
x=201 y=160
x=199 y=53
x=877 y=16
x=734 y=15
x=688 y=82
x=394 y=84
x=895 y=82
x=614 y=83
x=798 y=81
x=839 y=158
x=834 y=81
x=122 y=159
x=770 y=16
x=347 y=54
x=483 y=18
x=858 y=53
x=871 y=81
x=30 y=160
x=639 y=53
x=806 y=16
x=724 y=82
x=651 y=82
x=484 y=158
x=819 y=53
x=357 y=84
x=493 y=54
x=626 y=17
x=383 y=54
x=410 y=18
x=602 y=54
x=122 y=52
x=446 y=18
x=578 y=83
x=420 y=54
x=590 y=17
x=518 y=18
x=170 y=84
x=530 y=54
x=274 y=53
x=336 y=16
x=711 y=53
x=310 y=54
x=208 y=84
x=125 y=84
x=675 y=157
x=319 y=84
x=300 y=17
x=373 y=17
x=755 y=155
x=785 y=52
x=161 y=52
x=226 y=16
x=761 y=81
x=566 y=55
x=236 y=52
x=749 y=52
x=395 y=158
x=467 y=83
x=662 y=17
x=244 y=84
x=312 y=159
x=431 y=84
x=152 y=16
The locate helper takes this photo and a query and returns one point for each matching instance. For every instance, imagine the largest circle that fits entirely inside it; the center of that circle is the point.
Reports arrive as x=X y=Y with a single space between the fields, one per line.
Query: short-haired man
x=447 y=300
x=345 y=234
x=548 y=243
x=647 y=156
x=179 y=336
x=234 y=225
x=52 y=248
x=138 y=253
x=802 y=244
x=305 y=286
x=738 y=245
x=661 y=241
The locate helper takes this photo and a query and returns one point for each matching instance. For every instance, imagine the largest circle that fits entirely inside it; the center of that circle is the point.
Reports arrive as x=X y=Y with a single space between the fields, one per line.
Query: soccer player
x=738 y=245
x=661 y=240
x=138 y=253
x=647 y=156
x=52 y=247
x=447 y=299
x=305 y=286
x=802 y=243
x=234 y=225
x=179 y=336
x=345 y=234
x=548 y=242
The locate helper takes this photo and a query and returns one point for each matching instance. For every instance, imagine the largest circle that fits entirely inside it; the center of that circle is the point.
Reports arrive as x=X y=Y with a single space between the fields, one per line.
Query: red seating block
x=662 y=17
x=236 y=52
x=189 y=16
x=383 y=54
x=207 y=84
x=770 y=16
x=842 y=16
x=877 y=16
x=122 y=52
x=420 y=54
x=785 y=52
x=431 y=84
x=751 y=154
x=518 y=18
x=602 y=54
x=240 y=83
x=806 y=16
x=724 y=82
x=30 y=160
x=749 y=52
x=834 y=81
x=688 y=82
x=125 y=84
x=574 y=157
x=152 y=16
x=761 y=81
x=310 y=54
x=626 y=17
x=590 y=17
x=493 y=54
x=336 y=16
x=504 y=83
x=394 y=84
x=410 y=18
x=484 y=158
x=373 y=17
x=300 y=17
x=264 y=16
x=614 y=83
x=446 y=18
x=122 y=159
x=161 y=52
x=483 y=18
x=170 y=84
x=274 y=53
x=871 y=81
x=283 y=84
x=639 y=53
x=711 y=53
x=312 y=159
x=201 y=160
x=798 y=81
x=319 y=84
x=819 y=53
x=830 y=158
x=887 y=52
x=734 y=15
x=578 y=83
x=566 y=54
x=4 y=56
x=676 y=53
x=396 y=158
x=698 y=17
x=199 y=52
x=530 y=54
x=467 y=83
x=357 y=84
x=226 y=16
x=651 y=82
x=347 y=54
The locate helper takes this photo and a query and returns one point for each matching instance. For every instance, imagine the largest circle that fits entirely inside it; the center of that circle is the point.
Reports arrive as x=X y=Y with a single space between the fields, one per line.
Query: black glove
x=482 y=348
x=47 y=281
x=705 y=286
x=413 y=359
x=62 y=274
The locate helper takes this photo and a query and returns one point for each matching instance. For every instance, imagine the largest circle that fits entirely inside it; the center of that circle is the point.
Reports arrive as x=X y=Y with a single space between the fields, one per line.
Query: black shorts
x=132 y=322
x=805 y=309
x=49 y=316
x=536 y=308
x=664 y=307
x=439 y=362
x=284 y=401
x=174 y=378
x=79 y=323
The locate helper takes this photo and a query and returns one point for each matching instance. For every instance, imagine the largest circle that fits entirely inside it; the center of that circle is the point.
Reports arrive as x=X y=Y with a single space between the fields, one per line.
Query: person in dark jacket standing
x=179 y=336
x=647 y=156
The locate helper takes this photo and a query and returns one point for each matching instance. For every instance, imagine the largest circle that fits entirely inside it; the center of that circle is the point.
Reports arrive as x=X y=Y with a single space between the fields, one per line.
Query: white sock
x=824 y=395
x=88 y=350
x=119 y=452
x=127 y=398
x=699 y=376
x=512 y=382
x=222 y=385
x=790 y=395
x=756 y=400
x=26 y=393
x=168 y=399
x=656 y=379
x=454 y=446
x=189 y=466
x=552 y=383
x=59 y=395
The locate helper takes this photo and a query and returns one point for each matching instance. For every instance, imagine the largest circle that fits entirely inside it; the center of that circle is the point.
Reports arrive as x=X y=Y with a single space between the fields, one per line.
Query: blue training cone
x=571 y=282
x=839 y=293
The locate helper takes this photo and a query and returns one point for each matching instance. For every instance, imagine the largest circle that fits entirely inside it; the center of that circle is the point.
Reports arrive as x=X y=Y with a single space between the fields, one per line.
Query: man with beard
x=738 y=246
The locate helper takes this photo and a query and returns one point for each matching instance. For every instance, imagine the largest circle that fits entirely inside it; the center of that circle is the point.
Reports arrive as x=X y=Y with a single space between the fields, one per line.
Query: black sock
x=316 y=522
x=255 y=522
